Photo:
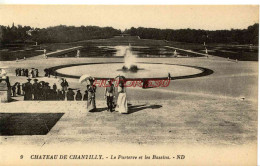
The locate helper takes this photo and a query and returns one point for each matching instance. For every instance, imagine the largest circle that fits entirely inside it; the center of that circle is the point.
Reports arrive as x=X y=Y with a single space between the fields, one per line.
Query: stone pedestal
x=5 y=92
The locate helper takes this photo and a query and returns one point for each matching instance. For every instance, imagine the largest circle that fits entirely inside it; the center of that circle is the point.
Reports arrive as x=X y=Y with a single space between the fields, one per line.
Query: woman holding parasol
x=91 y=90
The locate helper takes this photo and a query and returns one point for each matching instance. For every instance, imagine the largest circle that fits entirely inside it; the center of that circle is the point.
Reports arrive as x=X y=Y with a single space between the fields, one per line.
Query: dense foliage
x=65 y=34
x=57 y=34
x=245 y=36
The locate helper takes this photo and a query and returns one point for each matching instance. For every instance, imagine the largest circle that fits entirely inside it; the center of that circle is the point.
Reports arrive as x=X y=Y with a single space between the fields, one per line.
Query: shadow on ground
x=136 y=108
x=27 y=123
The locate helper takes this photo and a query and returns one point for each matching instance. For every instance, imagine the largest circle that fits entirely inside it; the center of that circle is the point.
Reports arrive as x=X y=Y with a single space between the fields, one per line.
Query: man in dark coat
x=23 y=72
x=109 y=95
x=23 y=89
x=26 y=72
x=20 y=72
x=63 y=95
x=45 y=91
x=78 y=96
x=37 y=72
x=16 y=71
x=28 y=90
x=18 y=88
x=70 y=95
x=36 y=89
x=54 y=87
x=85 y=97
x=14 y=89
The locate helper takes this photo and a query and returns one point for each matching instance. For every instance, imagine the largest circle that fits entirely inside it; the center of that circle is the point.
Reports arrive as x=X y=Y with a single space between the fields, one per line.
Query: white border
x=134 y=2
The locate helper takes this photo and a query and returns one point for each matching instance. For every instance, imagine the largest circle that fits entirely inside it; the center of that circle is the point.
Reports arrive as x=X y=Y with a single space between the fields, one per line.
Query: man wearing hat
x=46 y=91
x=78 y=96
x=70 y=95
x=85 y=97
x=36 y=89
x=109 y=95
x=28 y=88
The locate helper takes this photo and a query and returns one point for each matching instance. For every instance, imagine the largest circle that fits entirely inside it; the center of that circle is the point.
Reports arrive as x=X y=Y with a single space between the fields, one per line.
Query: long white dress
x=122 y=101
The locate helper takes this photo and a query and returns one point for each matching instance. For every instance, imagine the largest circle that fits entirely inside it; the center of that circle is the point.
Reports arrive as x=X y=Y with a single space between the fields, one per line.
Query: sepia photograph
x=129 y=84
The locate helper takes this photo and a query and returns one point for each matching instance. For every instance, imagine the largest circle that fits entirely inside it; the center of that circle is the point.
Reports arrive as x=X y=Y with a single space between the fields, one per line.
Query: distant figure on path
x=18 y=89
x=169 y=76
x=66 y=85
x=19 y=72
x=14 y=89
x=37 y=72
x=44 y=52
x=26 y=72
x=78 y=53
x=16 y=71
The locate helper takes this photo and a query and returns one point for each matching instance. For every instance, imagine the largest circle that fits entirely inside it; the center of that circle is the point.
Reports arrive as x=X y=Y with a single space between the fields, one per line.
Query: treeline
x=56 y=34
x=63 y=34
x=245 y=36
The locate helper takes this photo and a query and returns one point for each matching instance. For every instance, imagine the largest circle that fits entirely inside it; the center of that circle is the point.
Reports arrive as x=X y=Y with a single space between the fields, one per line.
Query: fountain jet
x=130 y=60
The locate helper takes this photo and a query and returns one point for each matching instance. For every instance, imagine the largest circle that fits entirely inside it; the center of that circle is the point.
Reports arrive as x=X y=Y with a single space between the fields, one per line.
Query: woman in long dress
x=91 y=104
x=121 y=100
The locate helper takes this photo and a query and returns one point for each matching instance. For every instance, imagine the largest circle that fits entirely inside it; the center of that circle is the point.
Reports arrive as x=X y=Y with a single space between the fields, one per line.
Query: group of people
x=27 y=73
x=48 y=72
x=43 y=91
x=109 y=95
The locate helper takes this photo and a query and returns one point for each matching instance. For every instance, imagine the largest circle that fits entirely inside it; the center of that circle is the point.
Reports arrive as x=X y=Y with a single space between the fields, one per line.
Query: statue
x=78 y=53
x=5 y=87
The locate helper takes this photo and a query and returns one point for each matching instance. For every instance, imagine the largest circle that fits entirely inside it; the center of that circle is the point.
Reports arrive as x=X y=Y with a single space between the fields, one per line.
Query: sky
x=126 y=16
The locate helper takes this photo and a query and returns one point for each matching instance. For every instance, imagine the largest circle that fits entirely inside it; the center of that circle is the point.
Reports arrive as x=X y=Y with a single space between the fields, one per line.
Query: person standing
x=16 y=71
x=54 y=87
x=78 y=96
x=109 y=95
x=36 y=90
x=62 y=84
x=44 y=91
x=48 y=91
x=26 y=72
x=19 y=72
x=28 y=90
x=18 y=89
x=44 y=52
x=63 y=95
x=66 y=85
x=85 y=97
x=23 y=72
x=121 y=101
x=70 y=95
x=23 y=89
x=49 y=73
x=37 y=72
x=32 y=73
x=59 y=94
x=91 y=104
x=14 y=89
x=40 y=91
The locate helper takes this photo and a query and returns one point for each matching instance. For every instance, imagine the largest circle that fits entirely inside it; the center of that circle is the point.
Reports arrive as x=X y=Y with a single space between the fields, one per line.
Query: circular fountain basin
x=148 y=70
